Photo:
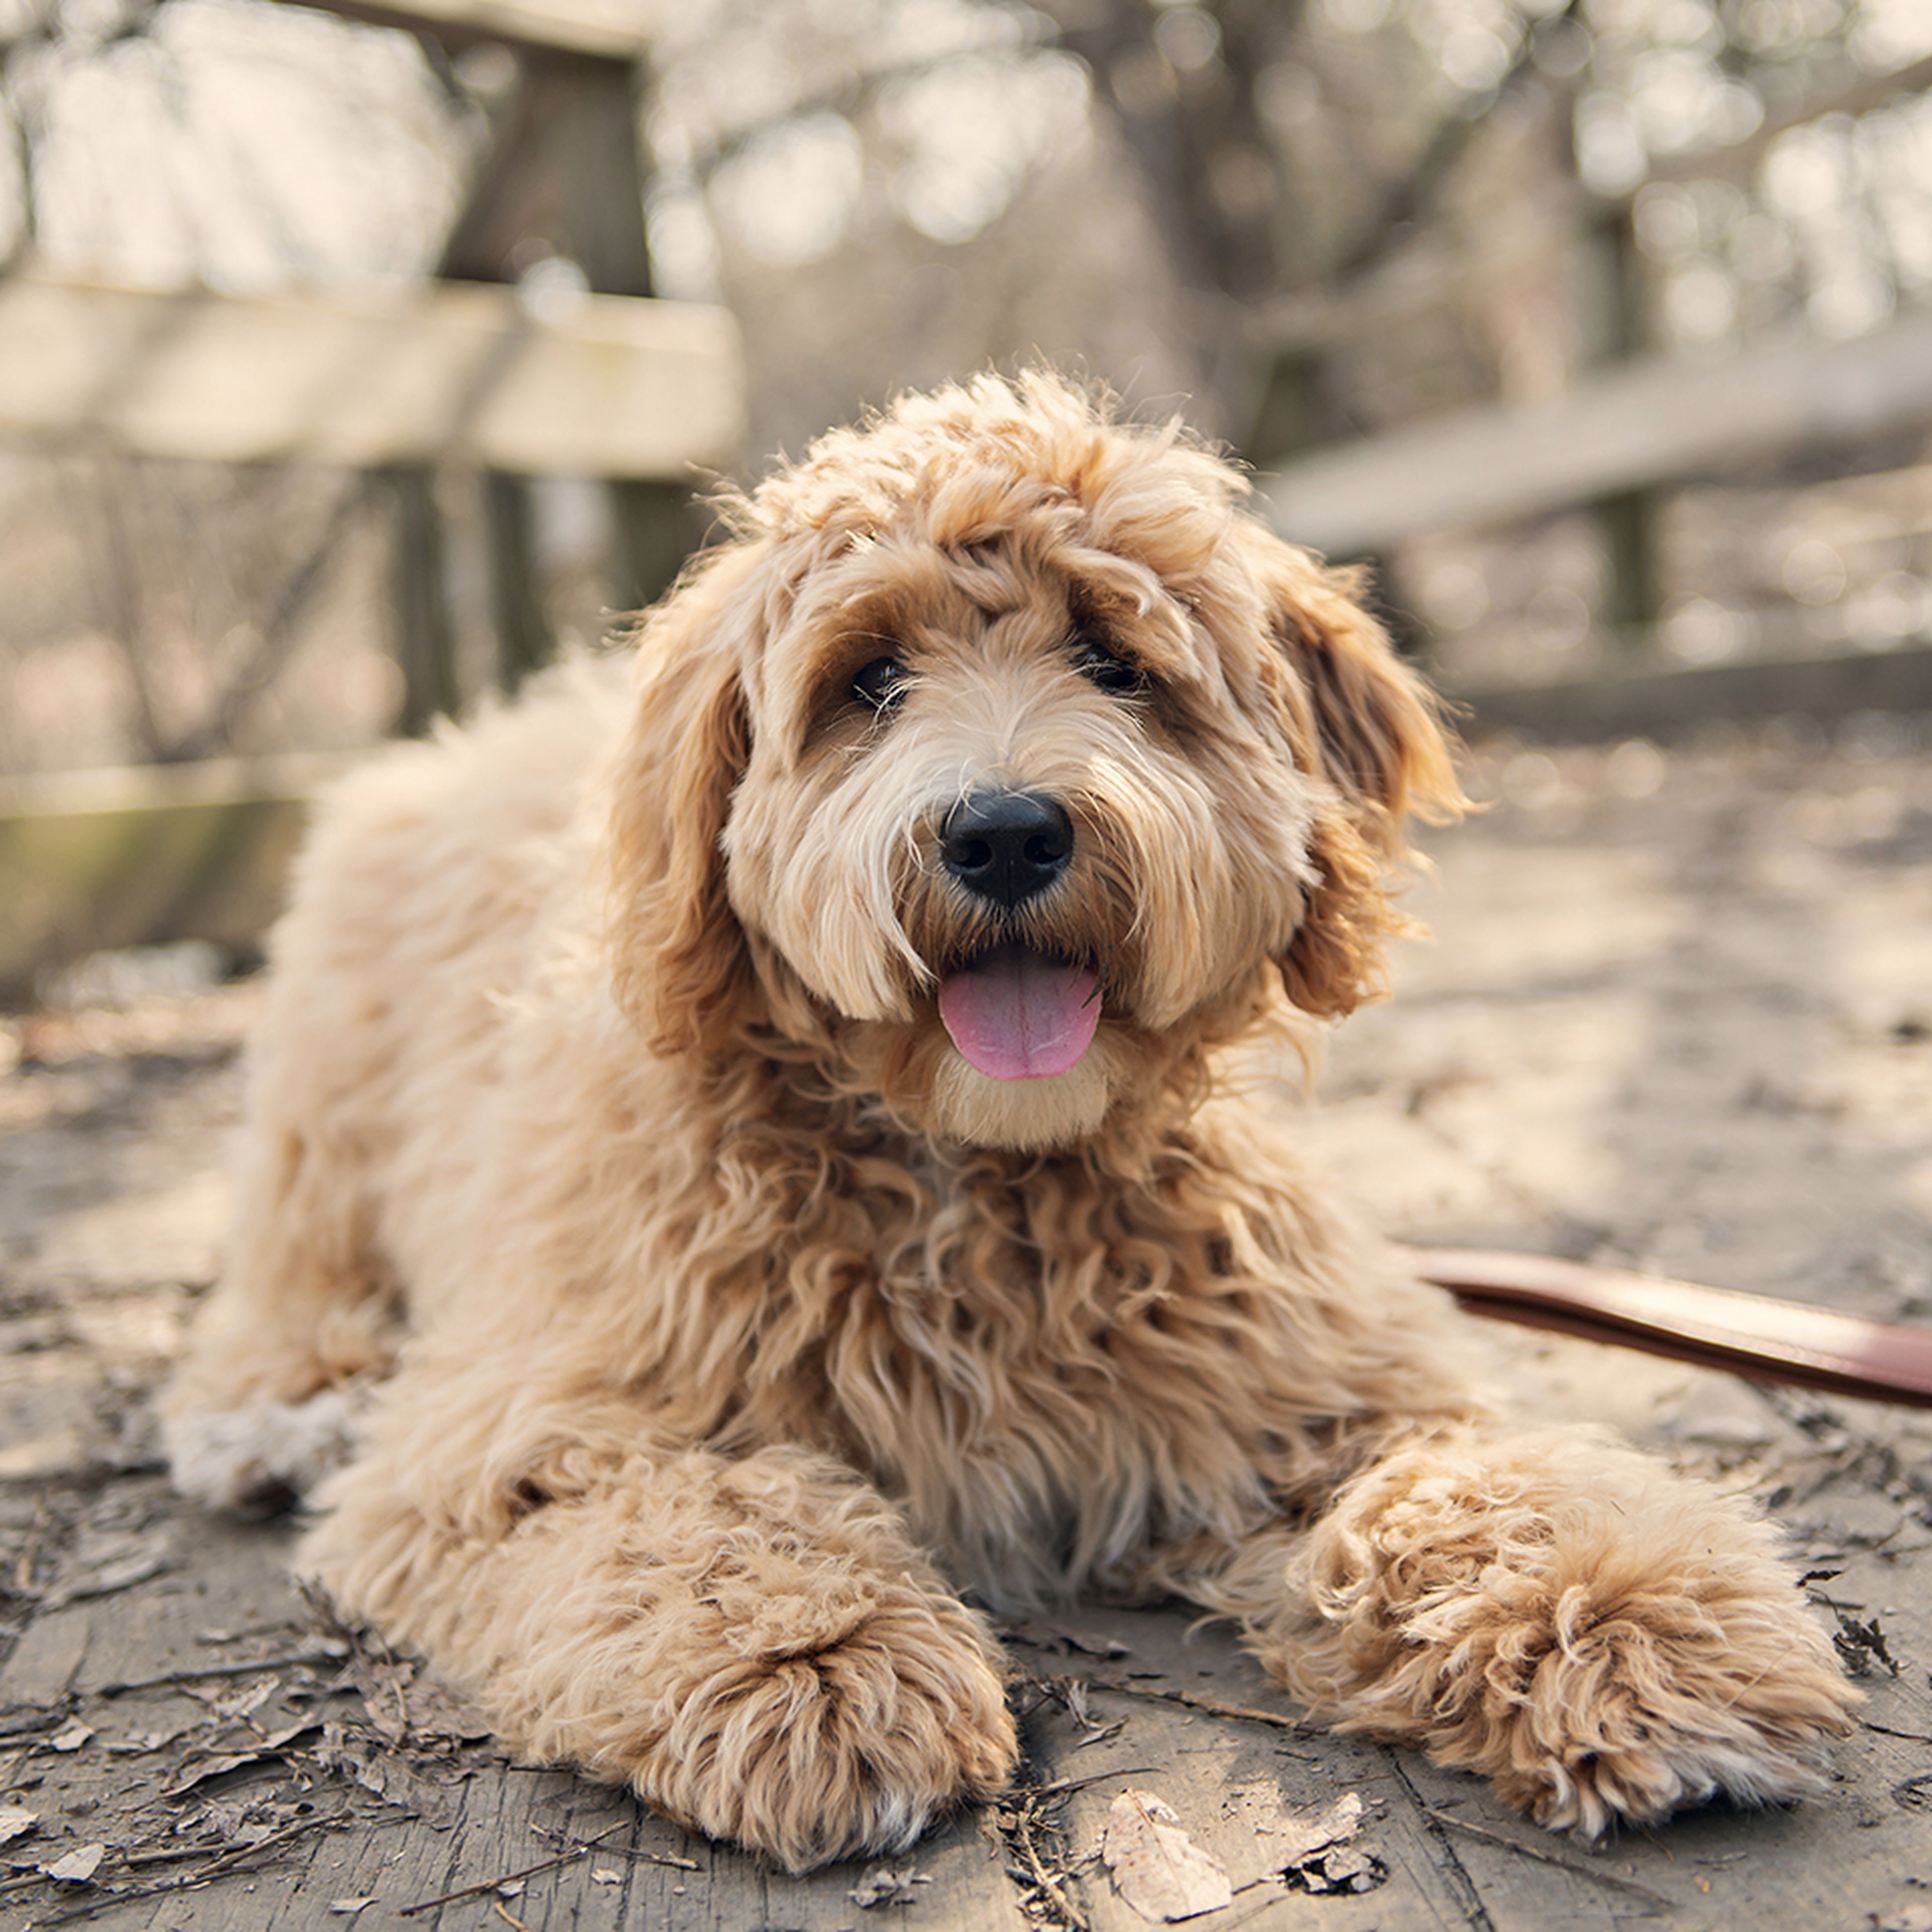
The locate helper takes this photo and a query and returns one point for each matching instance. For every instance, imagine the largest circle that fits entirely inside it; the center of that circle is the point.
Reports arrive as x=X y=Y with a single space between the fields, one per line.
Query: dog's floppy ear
x=680 y=965
x=1362 y=723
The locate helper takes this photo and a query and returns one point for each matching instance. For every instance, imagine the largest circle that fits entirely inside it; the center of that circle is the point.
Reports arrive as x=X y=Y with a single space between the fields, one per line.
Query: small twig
x=1886 y=1731
x=221 y=1865
x=510 y=1878
x=1060 y=1785
x=1023 y=1840
x=508 y=1917
x=1570 y=1865
x=208 y=1673
x=669 y=1859
x=1213 y=1706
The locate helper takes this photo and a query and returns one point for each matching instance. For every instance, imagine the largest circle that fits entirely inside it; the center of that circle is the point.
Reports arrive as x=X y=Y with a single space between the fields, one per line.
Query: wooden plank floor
x=1679 y=1013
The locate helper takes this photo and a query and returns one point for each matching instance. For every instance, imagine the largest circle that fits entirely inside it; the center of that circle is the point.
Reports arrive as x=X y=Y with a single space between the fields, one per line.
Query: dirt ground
x=1677 y=1015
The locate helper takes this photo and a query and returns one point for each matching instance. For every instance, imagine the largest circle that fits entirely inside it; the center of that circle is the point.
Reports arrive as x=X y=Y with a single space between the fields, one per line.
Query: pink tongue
x=1016 y=1016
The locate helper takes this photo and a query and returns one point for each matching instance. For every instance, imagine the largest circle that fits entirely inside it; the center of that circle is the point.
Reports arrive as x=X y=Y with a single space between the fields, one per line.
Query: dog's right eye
x=881 y=684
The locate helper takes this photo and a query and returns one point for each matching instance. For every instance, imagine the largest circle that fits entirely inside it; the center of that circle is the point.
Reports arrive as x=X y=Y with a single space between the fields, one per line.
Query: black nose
x=1006 y=846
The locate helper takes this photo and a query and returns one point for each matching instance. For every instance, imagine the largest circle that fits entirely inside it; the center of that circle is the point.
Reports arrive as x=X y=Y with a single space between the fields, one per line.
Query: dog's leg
x=1600 y=1637
x=261 y=1407
x=754 y=1644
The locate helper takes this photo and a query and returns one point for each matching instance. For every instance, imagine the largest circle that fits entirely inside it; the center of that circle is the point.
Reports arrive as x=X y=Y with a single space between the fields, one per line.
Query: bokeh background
x=1325 y=230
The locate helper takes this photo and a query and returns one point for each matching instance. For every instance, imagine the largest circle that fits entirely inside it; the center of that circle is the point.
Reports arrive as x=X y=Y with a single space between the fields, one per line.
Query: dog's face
x=1003 y=762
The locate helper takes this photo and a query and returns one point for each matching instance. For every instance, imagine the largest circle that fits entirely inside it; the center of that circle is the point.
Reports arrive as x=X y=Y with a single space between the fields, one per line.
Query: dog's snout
x=1006 y=846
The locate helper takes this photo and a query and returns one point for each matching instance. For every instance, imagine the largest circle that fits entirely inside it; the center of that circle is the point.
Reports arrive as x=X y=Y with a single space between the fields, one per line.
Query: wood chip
x=603 y=1875
x=71 y=1736
x=15 y=1823
x=79 y=1866
x=1156 y=1867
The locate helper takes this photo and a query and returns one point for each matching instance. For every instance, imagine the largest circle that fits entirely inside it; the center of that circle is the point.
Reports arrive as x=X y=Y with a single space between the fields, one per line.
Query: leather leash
x=1749 y=1335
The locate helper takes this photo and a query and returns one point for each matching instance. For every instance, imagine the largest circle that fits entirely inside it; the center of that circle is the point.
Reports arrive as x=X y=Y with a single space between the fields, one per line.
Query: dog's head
x=1003 y=763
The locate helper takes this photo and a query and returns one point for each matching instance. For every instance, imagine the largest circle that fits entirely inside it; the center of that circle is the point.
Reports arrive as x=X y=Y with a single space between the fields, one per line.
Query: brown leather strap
x=1749 y=1335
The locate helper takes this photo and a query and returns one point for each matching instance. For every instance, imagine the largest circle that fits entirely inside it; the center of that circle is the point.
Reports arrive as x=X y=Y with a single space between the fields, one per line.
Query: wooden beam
x=620 y=387
x=1661 y=421
x=1676 y=702
x=606 y=30
x=93 y=860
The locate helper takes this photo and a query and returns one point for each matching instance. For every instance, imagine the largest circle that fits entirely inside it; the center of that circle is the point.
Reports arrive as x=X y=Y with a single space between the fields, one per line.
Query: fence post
x=1611 y=311
x=425 y=644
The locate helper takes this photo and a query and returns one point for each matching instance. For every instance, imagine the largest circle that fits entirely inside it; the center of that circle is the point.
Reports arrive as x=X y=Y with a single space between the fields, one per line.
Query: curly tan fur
x=714 y=1318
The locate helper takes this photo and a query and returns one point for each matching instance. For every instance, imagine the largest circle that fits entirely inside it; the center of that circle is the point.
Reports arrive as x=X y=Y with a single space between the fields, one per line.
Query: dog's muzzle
x=1006 y=846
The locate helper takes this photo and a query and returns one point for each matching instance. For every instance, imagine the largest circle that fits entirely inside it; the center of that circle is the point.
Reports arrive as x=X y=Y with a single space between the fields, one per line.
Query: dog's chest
x=1050 y=1392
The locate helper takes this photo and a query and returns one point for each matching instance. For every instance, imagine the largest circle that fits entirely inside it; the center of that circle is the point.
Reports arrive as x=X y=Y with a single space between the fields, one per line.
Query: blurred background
x=354 y=360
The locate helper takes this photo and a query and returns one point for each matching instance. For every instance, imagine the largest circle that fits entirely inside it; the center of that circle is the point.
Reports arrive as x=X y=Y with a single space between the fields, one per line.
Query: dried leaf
x=15 y=1823
x=276 y=1741
x=1065 y=1642
x=1340 y=1868
x=1157 y=1867
x=383 y=1682
x=603 y=1875
x=887 y=1884
x=246 y=1821
x=1860 y=1645
x=378 y=1770
x=79 y=1867
x=1309 y=1833
x=217 y=1766
x=71 y=1736
x=107 y=1559
x=1073 y=1693
x=436 y=1713
x=347 y=1908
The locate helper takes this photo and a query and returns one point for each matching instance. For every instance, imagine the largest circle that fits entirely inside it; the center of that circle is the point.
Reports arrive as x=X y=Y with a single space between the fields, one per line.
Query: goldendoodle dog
x=741 y=1161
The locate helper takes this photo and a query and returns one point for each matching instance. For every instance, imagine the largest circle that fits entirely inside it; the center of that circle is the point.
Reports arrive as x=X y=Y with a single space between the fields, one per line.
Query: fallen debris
x=887 y=1884
x=1310 y=1833
x=1156 y=1867
x=1861 y=1645
x=1319 y=1855
x=1027 y=1826
x=496 y=1884
x=78 y=1866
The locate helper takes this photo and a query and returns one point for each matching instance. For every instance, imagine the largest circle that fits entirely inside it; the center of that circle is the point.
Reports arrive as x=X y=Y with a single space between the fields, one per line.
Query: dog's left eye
x=881 y=684
x=1098 y=665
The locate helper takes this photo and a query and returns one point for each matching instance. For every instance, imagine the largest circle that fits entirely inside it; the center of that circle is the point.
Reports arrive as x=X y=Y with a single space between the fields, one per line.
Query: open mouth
x=1014 y=1014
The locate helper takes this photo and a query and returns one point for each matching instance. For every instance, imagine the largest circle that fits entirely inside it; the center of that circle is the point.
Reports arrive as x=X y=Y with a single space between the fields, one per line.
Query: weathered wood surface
x=1659 y=421
x=1691 y=1028
x=618 y=387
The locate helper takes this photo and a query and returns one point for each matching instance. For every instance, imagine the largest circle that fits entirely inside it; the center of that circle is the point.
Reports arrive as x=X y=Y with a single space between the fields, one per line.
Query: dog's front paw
x=1614 y=1699
x=1601 y=1638
x=834 y=1727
